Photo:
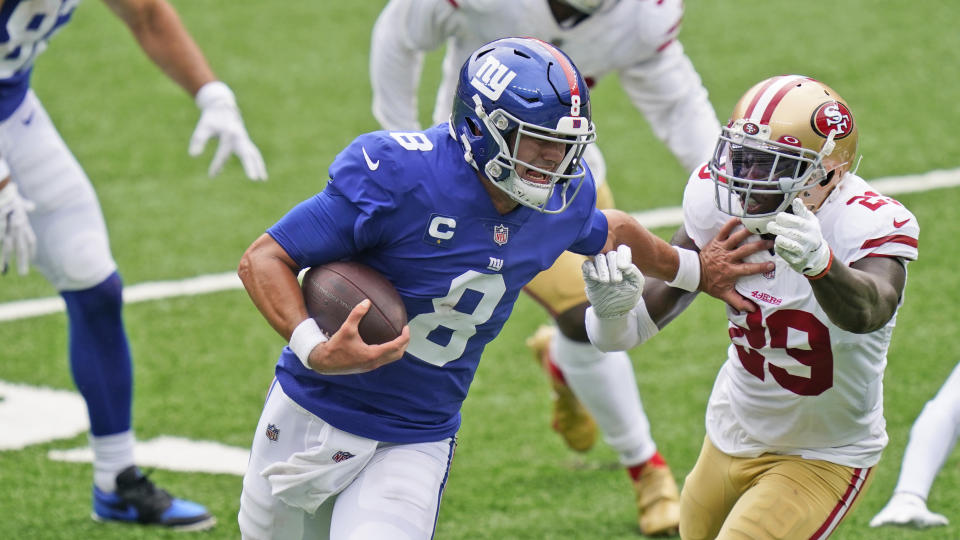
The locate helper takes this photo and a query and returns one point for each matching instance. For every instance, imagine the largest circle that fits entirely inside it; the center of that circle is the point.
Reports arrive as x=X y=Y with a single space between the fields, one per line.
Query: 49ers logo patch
x=832 y=116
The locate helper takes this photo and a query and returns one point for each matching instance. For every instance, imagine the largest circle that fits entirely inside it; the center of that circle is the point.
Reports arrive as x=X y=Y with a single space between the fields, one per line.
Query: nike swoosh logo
x=28 y=119
x=899 y=224
x=370 y=163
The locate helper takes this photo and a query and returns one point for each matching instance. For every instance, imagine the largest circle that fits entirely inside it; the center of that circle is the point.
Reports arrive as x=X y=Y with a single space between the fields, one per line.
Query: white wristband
x=304 y=338
x=688 y=273
x=4 y=169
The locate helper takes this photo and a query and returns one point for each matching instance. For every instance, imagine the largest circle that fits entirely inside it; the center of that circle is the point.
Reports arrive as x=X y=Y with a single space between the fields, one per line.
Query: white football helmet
x=789 y=136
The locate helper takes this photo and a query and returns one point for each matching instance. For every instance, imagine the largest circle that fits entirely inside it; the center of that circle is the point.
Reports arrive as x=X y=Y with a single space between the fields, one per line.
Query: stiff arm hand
x=220 y=117
x=346 y=353
x=613 y=283
x=721 y=264
x=800 y=241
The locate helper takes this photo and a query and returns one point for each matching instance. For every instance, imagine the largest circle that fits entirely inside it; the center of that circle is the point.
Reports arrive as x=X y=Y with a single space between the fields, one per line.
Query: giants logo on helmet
x=832 y=116
x=492 y=78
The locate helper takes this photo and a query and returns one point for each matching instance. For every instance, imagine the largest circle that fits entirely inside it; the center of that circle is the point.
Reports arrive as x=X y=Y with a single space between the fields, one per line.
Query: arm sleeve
x=669 y=93
x=620 y=333
x=402 y=33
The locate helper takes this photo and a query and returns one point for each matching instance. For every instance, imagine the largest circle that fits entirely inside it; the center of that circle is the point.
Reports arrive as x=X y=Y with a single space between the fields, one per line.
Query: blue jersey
x=25 y=27
x=408 y=205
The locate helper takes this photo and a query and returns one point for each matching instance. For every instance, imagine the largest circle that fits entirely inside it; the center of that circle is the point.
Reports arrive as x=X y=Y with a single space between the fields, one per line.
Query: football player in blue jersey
x=639 y=41
x=50 y=217
x=355 y=440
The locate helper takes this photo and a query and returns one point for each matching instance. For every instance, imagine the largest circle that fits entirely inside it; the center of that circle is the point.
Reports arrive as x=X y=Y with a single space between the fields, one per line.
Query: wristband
x=824 y=271
x=4 y=169
x=304 y=338
x=214 y=92
x=688 y=271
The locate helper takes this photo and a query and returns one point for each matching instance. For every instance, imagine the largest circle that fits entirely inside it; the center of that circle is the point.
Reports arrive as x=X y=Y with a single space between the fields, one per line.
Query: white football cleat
x=908 y=510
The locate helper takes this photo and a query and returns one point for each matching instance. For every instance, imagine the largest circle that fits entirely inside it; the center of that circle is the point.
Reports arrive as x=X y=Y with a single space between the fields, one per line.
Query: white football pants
x=382 y=490
x=72 y=247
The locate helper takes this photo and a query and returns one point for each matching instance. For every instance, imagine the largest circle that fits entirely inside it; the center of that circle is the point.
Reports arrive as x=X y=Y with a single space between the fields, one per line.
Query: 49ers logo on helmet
x=832 y=116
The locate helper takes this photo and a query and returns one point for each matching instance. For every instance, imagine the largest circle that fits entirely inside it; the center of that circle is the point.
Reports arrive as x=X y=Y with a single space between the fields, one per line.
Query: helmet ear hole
x=473 y=127
x=828 y=178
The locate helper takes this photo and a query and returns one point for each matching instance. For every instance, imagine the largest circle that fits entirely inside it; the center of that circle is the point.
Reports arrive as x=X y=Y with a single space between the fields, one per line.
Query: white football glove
x=909 y=510
x=614 y=283
x=220 y=117
x=16 y=236
x=799 y=240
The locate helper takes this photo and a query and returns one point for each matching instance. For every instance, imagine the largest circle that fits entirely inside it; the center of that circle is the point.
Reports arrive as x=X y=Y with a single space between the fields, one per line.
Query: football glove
x=907 y=509
x=613 y=283
x=16 y=236
x=220 y=117
x=800 y=242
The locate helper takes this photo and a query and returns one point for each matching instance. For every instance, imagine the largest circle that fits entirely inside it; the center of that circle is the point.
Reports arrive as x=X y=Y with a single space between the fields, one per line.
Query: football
x=332 y=290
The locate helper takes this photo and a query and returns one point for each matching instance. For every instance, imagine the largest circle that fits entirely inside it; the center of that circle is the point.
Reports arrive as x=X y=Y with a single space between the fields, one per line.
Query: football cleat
x=908 y=510
x=570 y=419
x=658 y=500
x=138 y=500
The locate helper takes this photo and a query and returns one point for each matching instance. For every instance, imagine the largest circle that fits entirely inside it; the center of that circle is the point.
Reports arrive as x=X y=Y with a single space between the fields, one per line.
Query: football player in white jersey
x=638 y=42
x=795 y=420
x=932 y=438
x=50 y=217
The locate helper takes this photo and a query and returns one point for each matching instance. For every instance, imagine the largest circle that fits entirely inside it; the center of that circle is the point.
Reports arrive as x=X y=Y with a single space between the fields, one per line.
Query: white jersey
x=637 y=40
x=793 y=382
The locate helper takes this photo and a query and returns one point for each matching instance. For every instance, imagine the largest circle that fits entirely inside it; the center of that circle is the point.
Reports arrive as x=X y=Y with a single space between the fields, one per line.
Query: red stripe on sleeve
x=893 y=238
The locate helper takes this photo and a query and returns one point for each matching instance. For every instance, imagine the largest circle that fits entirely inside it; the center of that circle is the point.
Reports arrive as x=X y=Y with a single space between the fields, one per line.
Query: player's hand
x=346 y=353
x=908 y=510
x=799 y=240
x=722 y=264
x=614 y=283
x=220 y=117
x=16 y=236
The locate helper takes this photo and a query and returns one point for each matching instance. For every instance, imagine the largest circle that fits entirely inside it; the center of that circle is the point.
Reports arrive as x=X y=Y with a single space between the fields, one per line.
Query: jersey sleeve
x=875 y=226
x=403 y=32
x=593 y=236
x=665 y=87
x=343 y=219
x=701 y=218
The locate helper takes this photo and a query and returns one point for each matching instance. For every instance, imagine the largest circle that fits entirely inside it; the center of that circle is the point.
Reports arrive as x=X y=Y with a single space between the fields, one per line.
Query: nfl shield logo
x=342 y=455
x=500 y=234
x=273 y=432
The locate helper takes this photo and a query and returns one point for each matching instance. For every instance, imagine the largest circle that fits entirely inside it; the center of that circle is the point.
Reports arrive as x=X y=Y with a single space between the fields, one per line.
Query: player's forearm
x=652 y=255
x=270 y=279
x=162 y=36
x=855 y=300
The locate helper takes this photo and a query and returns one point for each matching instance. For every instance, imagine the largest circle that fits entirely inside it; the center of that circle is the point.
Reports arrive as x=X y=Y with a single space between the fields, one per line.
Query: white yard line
x=660 y=217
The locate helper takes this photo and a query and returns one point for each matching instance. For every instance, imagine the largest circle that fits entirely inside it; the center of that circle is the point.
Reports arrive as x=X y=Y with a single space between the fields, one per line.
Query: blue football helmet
x=522 y=87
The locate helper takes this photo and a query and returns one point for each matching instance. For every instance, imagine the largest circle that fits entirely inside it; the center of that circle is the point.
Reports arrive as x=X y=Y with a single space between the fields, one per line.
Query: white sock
x=111 y=454
x=932 y=437
x=607 y=387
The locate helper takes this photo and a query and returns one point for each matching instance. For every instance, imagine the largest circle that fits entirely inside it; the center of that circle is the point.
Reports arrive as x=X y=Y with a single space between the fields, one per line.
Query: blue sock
x=100 y=356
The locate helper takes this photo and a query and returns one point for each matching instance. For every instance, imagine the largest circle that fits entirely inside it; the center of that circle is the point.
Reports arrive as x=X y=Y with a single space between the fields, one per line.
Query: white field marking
x=174 y=454
x=660 y=217
x=32 y=415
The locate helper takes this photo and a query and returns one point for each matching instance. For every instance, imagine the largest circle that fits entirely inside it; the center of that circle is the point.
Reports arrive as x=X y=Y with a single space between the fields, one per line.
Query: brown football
x=332 y=290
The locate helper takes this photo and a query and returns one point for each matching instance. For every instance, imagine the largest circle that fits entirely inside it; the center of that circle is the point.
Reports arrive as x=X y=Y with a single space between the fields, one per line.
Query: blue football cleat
x=138 y=500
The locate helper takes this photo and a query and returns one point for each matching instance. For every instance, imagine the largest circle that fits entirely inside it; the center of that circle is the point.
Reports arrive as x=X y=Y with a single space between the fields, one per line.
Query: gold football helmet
x=789 y=136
